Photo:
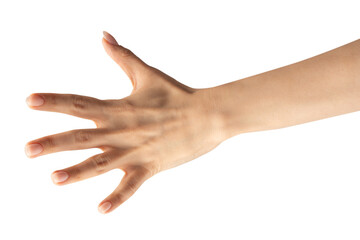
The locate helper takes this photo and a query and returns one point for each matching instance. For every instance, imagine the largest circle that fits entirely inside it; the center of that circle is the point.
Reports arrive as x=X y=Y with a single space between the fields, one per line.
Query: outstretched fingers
x=70 y=140
x=91 y=167
x=128 y=186
x=72 y=104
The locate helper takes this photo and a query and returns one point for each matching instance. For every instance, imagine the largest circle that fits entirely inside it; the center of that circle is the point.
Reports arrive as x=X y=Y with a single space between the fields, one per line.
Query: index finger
x=76 y=105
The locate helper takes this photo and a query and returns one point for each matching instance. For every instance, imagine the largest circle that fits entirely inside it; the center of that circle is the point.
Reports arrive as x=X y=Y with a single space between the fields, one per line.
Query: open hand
x=162 y=124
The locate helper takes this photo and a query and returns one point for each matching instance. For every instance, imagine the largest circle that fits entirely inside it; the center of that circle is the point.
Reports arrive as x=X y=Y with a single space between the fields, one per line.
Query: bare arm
x=164 y=123
x=319 y=87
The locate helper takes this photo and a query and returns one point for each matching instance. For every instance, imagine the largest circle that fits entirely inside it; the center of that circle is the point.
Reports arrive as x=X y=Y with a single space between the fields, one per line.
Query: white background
x=295 y=183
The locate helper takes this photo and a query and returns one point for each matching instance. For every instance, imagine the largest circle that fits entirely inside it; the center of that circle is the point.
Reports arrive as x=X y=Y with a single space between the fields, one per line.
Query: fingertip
x=32 y=150
x=59 y=177
x=104 y=207
x=35 y=100
x=108 y=47
x=110 y=39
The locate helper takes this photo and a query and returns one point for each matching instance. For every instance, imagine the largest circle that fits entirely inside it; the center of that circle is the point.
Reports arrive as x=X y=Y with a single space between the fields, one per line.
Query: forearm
x=319 y=87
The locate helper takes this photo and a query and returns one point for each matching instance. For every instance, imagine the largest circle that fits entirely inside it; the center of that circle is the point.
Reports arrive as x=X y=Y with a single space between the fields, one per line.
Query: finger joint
x=49 y=143
x=101 y=162
x=82 y=136
x=79 y=102
x=126 y=52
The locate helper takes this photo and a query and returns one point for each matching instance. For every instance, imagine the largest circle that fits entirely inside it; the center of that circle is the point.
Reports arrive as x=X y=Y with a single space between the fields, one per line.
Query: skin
x=164 y=123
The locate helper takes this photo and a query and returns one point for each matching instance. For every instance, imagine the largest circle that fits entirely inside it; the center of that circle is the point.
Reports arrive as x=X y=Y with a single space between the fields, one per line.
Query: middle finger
x=70 y=140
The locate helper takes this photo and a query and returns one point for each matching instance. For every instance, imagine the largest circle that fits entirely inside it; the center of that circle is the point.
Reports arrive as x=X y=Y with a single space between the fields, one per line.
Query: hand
x=162 y=124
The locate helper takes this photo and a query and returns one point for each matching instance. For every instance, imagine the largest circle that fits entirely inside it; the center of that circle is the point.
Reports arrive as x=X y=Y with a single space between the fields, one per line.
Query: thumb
x=132 y=65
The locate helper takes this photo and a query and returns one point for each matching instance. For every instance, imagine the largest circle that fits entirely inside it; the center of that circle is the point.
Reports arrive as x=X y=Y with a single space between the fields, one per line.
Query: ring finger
x=93 y=166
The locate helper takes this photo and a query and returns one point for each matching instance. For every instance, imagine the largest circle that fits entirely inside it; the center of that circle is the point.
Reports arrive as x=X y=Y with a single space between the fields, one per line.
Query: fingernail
x=35 y=100
x=33 y=149
x=110 y=38
x=59 y=177
x=103 y=208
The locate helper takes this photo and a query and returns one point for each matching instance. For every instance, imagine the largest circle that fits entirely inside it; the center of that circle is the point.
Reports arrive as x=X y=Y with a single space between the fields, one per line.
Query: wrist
x=222 y=109
x=238 y=107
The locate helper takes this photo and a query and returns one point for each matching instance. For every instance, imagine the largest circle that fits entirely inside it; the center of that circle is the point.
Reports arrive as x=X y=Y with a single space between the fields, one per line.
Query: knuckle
x=79 y=102
x=154 y=169
x=51 y=98
x=82 y=136
x=101 y=162
x=146 y=171
x=121 y=106
x=76 y=172
x=118 y=198
x=127 y=105
x=132 y=185
x=125 y=52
